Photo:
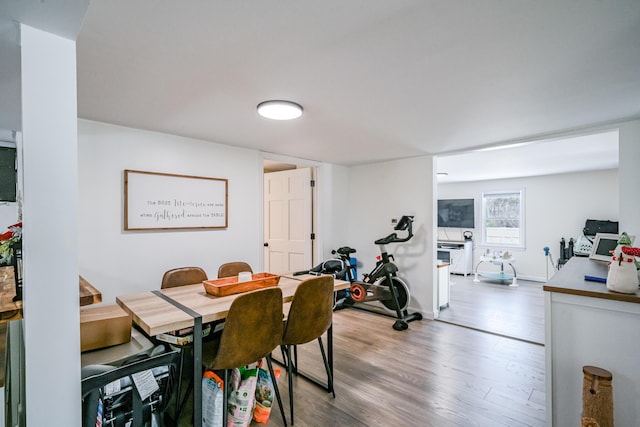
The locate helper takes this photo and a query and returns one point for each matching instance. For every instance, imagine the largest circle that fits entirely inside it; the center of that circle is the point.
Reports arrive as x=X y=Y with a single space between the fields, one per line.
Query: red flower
x=6 y=236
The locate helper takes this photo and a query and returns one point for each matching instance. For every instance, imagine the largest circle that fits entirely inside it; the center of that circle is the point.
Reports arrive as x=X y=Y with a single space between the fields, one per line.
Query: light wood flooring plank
x=497 y=308
x=434 y=374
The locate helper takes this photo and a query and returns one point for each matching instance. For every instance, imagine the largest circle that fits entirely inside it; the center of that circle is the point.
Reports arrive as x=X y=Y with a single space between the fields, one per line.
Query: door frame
x=316 y=203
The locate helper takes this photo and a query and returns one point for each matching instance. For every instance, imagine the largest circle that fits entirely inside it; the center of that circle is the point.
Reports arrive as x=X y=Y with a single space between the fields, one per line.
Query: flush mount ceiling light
x=442 y=174
x=279 y=110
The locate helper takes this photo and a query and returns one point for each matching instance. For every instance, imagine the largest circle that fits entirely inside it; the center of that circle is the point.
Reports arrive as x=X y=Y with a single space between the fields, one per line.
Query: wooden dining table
x=167 y=310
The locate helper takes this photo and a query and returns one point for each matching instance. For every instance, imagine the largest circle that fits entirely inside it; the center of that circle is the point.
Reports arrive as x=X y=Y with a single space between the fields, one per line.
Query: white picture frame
x=603 y=243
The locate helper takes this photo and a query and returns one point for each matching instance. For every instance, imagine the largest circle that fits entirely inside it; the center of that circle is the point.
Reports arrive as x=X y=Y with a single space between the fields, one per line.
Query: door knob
x=266 y=244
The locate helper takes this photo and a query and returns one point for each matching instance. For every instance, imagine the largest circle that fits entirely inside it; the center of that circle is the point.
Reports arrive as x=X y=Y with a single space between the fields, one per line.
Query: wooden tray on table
x=230 y=285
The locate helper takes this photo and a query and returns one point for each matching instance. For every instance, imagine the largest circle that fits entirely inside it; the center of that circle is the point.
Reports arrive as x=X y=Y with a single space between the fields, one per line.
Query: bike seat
x=388 y=239
x=345 y=250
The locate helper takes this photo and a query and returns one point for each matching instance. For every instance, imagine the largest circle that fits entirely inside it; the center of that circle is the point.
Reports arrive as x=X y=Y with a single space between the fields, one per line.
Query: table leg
x=197 y=372
x=514 y=282
x=475 y=279
x=197 y=357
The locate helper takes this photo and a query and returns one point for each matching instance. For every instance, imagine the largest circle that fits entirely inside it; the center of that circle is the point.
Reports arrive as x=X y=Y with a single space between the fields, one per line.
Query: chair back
x=311 y=311
x=183 y=276
x=253 y=328
x=231 y=269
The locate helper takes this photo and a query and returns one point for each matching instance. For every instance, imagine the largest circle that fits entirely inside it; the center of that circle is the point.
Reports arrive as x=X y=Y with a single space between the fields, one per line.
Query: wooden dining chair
x=231 y=269
x=253 y=328
x=310 y=315
x=183 y=276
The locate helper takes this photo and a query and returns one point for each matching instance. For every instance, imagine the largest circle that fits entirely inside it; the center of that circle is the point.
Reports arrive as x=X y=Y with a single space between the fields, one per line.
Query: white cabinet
x=458 y=254
x=443 y=285
x=586 y=324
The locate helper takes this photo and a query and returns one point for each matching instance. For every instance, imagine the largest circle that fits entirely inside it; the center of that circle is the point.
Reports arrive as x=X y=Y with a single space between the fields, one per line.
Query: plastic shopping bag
x=241 y=400
x=212 y=399
x=265 y=393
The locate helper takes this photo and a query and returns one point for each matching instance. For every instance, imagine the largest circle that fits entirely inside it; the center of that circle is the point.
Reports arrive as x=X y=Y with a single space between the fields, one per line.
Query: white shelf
x=443 y=285
x=458 y=254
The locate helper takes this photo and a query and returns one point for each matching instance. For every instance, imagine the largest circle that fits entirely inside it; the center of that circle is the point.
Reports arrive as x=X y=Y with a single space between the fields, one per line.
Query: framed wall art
x=163 y=201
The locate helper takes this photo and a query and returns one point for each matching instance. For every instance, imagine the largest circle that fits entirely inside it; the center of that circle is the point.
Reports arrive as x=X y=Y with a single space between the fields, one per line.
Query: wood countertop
x=88 y=294
x=570 y=280
x=10 y=310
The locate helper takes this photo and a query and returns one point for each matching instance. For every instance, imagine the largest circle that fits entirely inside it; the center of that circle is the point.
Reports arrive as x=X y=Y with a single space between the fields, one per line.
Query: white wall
x=556 y=206
x=122 y=262
x=629 y=134
x=380 y=192
x=333 y=226
x=50 y=258
x=8 y=215
x=119 y=262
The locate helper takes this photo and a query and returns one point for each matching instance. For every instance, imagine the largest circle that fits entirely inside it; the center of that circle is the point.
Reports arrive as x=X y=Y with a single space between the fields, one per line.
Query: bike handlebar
x=405 y=223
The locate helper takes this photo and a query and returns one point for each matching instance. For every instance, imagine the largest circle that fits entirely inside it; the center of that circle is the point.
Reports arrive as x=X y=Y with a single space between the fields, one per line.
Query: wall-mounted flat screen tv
x=456 y=213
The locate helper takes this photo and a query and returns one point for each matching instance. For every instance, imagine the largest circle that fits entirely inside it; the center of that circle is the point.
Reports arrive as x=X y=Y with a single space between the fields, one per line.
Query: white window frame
x=504 y=243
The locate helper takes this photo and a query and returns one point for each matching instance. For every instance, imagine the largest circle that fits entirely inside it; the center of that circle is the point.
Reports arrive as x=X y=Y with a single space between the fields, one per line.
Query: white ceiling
x=378 y=79
x=61 y=17
x=553 y=156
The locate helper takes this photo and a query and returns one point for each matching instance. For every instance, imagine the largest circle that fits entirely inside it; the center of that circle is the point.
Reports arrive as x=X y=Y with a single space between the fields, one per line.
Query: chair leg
x=284 y=354
x=179 y=385
x=184 y=399
x=326 y=367
x=290 y=379
x=274 y=381
x=287 y=359
x=225 y=399
x=180 y=402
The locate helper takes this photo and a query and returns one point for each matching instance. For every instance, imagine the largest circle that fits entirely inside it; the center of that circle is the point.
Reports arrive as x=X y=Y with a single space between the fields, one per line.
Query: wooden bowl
x=230 y=285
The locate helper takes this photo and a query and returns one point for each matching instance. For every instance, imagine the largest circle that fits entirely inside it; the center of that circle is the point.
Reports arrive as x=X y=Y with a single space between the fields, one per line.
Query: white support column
x=51 y=308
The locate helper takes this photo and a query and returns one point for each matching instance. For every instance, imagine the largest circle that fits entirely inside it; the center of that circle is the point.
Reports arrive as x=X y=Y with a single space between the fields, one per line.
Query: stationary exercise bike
x=382 y=283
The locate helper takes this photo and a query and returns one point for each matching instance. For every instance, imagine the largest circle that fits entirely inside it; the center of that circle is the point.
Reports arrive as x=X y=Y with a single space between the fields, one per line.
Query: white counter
x=586 y=324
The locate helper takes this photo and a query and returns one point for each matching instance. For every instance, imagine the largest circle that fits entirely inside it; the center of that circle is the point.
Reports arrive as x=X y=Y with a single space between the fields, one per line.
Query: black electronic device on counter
x=592 y=227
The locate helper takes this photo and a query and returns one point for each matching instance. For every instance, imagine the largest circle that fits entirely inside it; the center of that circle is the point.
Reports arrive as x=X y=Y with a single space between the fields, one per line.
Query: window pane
x=502 y=218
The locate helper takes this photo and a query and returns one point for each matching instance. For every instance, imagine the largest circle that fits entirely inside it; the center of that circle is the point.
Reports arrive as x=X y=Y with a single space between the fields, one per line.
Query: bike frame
x=385 y=268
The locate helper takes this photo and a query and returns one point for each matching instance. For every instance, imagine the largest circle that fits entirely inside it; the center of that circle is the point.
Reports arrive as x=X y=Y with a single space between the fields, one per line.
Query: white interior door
x=287 y=220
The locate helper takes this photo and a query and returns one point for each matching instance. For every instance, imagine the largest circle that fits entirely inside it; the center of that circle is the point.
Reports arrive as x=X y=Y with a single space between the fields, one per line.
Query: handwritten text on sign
x=167 y=201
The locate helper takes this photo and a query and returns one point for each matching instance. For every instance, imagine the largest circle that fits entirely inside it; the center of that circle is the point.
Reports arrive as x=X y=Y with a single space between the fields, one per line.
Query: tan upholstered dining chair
x=253 y=328
x=310 y=315
x=183 y=276
x=231 y=269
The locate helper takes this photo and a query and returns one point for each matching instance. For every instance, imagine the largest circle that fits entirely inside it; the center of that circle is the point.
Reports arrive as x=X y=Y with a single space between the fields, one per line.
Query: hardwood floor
x=497 y=308
x=434 y=374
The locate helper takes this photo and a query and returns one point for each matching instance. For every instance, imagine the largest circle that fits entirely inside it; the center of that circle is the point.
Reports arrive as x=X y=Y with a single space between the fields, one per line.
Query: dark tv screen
x=456 y=213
